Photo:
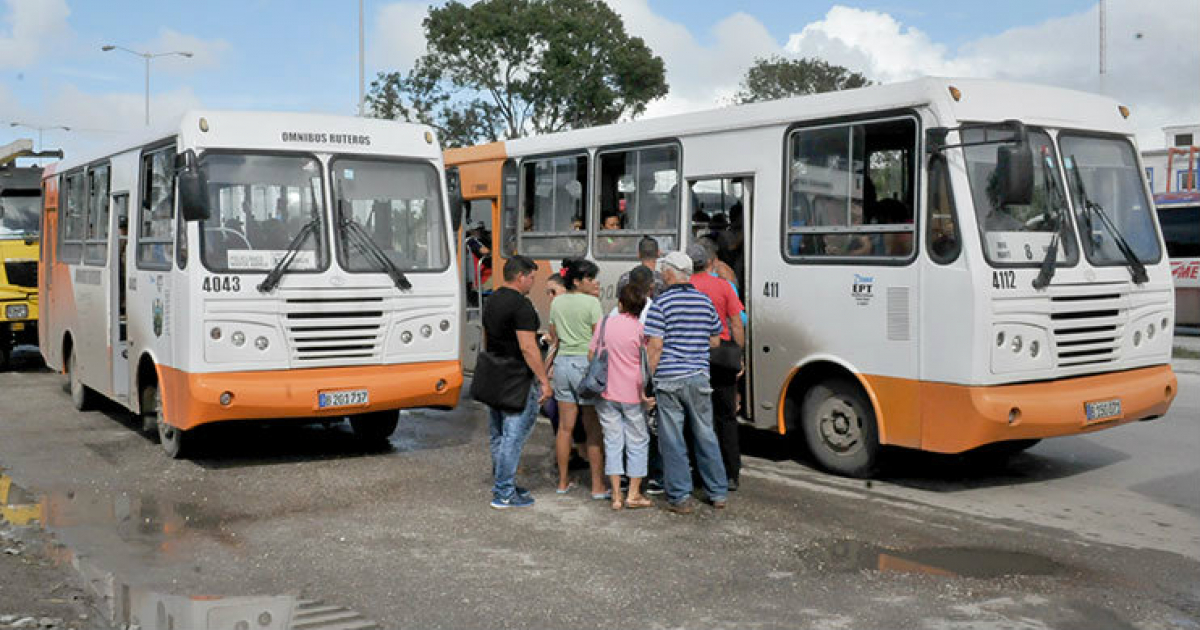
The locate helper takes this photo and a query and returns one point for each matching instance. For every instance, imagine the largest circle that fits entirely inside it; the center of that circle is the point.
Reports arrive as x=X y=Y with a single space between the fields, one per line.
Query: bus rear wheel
x=375 y=427
x=838 y=422
x=81 y=395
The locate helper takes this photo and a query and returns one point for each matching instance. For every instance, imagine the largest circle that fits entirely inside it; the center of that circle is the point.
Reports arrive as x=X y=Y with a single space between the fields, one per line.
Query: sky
x=302 y=55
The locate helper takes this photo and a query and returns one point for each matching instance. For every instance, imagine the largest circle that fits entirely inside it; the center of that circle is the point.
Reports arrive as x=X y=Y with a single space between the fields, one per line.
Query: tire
x=151 y=408
x=82 y=396
x=175 y=442
x=375 y=427
x=839 y=427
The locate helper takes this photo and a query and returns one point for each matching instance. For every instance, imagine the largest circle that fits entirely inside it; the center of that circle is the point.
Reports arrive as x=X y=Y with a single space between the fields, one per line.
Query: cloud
x=397 y=36
x=29 y=28
x=1153 y=60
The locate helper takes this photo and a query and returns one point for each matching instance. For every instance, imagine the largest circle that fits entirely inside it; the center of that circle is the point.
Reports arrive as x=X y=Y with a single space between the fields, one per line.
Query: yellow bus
x=20 y=219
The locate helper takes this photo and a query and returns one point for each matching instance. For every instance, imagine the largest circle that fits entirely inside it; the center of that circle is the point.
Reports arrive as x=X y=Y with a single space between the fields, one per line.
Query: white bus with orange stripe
x=938 y=264
x=255 y=266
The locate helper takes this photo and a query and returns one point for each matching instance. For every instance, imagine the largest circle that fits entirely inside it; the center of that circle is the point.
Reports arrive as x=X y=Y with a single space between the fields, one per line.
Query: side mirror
x=1014 y=170
x=193 y=190
x=455 y=202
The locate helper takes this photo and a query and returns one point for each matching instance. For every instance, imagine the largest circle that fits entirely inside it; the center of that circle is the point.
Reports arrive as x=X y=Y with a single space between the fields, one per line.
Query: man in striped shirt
x=681 y=326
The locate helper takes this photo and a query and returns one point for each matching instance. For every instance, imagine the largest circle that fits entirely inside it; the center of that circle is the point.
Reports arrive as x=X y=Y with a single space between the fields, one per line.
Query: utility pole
x=362 y=100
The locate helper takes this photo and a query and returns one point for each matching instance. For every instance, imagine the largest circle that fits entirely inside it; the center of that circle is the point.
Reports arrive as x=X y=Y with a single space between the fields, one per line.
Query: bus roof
x=981 y=100
x=278 y=131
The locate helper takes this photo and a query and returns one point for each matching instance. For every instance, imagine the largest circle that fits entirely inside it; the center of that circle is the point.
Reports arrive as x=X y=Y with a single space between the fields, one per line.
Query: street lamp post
x=39 y=130
x=147 y=56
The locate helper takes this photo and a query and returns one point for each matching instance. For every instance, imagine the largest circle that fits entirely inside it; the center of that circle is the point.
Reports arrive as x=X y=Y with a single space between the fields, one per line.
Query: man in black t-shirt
x=510 y=326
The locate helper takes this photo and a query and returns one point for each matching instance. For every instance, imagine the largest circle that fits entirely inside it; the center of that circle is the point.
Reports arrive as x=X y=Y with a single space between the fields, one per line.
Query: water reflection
x=966 y=562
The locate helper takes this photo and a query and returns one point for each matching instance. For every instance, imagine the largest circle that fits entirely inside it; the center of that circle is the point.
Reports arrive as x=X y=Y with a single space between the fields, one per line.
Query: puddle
x=961 y=562
x=162 y=529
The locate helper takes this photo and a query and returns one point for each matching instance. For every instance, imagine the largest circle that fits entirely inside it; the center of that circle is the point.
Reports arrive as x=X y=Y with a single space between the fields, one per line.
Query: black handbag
x=727 y=356
x=501 y=382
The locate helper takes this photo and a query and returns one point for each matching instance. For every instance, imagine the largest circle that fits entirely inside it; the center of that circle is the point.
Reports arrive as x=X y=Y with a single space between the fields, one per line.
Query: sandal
x=602 y=496
x=570 y=487
x=639 y=502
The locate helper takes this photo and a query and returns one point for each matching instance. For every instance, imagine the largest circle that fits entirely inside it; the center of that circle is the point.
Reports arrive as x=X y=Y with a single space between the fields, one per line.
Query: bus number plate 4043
x=1102 y=410
x=344 y=398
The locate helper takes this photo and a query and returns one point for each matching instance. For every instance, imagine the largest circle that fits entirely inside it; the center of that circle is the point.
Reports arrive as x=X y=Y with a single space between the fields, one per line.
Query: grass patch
x=1184 y=353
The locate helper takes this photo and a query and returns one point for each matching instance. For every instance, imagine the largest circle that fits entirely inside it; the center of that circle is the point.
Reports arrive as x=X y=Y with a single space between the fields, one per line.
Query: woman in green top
x=573 y=319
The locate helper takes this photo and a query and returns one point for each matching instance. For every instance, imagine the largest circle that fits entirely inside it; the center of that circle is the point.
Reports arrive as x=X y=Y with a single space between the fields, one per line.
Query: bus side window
x=638 y=196
x=509 y=209
x=96 y=249
x=942 y=234
x=155 y=234
x=73 y=218
x=554 y=200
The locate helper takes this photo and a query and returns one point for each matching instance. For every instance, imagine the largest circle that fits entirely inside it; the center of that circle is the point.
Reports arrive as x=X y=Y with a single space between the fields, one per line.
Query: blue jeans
x=687 y=402
x=509 y=431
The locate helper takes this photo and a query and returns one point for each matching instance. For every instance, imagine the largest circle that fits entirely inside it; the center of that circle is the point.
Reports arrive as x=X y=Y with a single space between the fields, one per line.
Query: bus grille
x=335 y=331
x=21 y=273
x=1087 y=328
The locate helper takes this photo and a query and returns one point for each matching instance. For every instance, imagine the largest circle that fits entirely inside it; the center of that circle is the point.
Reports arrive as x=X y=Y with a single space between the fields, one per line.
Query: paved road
x=1086 y=532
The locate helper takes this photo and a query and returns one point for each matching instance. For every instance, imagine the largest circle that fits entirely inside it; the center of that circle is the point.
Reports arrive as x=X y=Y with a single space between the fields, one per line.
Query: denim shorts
x=568 y=373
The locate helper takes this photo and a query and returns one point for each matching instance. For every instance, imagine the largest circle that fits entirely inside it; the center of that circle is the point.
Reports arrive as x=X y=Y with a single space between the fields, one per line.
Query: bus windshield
x=20 y=213
x=1018 y=234
x=1106 y=180
x=391 y=208
x=259 y=204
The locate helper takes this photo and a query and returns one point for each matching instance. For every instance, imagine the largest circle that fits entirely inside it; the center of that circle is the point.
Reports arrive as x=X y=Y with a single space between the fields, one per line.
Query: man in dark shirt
x=648 y=258
x=510 y=326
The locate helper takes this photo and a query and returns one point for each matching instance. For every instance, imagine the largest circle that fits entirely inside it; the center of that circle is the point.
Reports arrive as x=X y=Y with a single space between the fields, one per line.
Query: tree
x=779 y=77
x=507 y=68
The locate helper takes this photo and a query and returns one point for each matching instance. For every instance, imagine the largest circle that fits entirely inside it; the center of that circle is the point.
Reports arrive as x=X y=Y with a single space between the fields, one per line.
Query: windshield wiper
x=272 y=279
x=368 y=246
x=1050 y=262
x=1136 y=268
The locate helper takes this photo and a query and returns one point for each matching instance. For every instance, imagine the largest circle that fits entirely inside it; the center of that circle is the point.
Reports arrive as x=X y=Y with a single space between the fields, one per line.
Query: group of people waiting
x=673 y=346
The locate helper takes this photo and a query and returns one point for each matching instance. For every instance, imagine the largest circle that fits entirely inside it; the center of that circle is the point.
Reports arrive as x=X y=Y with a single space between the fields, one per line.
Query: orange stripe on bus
x=192 y=399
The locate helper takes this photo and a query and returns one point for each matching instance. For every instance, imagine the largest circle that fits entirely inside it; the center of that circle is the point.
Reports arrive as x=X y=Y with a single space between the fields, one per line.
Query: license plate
x=1102 y=410
x=345 y=398
x=18 y=326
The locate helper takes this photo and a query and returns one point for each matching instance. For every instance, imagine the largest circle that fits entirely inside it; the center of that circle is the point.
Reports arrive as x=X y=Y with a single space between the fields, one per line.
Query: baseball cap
x=699 y=254
x=678 y=260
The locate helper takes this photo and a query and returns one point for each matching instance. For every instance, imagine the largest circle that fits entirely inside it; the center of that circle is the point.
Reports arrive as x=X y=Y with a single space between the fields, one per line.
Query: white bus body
x=175 y=325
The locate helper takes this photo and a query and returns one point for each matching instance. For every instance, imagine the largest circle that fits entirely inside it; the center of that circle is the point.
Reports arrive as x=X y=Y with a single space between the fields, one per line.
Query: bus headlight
x=1165 y=321
x=1150 y=331
x=215 y=333
x=406 y=336
x=444 y=325
x=1000 y=339
x=426 y=330
x=1034 y=348
x=238 y=338
x=16 y=311
x=1137 y=338
x=1017 y=343
x=261 y=343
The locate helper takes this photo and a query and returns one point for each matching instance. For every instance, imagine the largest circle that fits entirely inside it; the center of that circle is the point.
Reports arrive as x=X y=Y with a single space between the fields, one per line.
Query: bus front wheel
x=175 y=442
x=375 y=427
x=838 y=422
x=81 y=395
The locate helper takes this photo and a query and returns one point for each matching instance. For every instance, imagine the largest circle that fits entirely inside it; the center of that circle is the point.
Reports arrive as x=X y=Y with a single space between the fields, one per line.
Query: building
x=1173 y=169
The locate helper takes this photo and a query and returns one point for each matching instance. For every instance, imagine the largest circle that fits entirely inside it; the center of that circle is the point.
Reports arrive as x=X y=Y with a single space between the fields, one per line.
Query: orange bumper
x=191 y=399
x=957 y=418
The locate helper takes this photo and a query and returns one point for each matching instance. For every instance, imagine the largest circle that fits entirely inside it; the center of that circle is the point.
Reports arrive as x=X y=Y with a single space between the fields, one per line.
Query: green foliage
x=778 y=77
x=507 y=68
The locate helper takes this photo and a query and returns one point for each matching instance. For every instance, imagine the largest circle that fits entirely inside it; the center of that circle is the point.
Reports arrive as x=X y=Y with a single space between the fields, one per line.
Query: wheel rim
x=167 y=434
x=839 y=426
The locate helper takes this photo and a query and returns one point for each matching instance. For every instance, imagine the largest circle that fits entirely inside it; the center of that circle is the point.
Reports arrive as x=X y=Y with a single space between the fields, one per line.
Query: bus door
x=476 y=263
x=721 y=210
x=117 y=271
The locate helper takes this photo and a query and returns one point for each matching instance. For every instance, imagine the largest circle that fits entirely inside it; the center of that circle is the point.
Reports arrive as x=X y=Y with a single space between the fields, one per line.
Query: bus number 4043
x=222 y=284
